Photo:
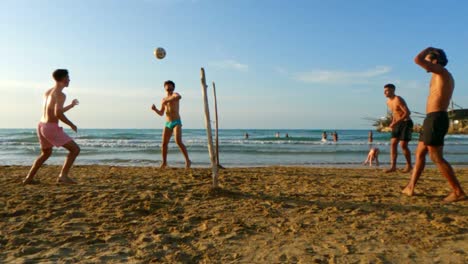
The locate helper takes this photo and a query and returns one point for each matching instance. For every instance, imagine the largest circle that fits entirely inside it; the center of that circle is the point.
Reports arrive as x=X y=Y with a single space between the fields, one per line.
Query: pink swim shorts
x=50 y=134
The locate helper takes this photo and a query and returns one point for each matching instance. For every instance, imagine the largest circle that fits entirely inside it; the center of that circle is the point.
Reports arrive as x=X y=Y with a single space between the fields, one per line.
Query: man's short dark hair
x=390 y=85
x=169 y=82
x=439 y=55
x=59 y=74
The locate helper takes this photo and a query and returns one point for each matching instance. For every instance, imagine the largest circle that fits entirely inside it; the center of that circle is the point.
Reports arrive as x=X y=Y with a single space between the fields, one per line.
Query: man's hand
x=153 y=107
x=74 y=128
x=75 y=102
x=391 y=125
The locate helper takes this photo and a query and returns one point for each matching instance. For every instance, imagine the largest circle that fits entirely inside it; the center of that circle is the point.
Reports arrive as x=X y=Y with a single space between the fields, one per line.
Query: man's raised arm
x=420 y=60
x=173 y=97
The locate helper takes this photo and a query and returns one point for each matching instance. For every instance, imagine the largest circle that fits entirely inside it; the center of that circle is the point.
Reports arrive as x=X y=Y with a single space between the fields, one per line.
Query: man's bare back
x=50 y=102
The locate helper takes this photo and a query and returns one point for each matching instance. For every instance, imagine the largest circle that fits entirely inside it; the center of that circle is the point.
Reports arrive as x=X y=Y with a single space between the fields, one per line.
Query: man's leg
x=73 y=152
x=45 y=154
x=436 y=153
x=393 y=155
x=183 y=149
x=166 y=136
x=407 y=153
x=421 y=152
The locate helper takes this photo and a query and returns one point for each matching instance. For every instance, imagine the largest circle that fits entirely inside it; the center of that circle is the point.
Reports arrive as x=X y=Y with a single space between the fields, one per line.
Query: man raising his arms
x=49 y=132
x=402 y=127
x=170 y=106
x=436 y=123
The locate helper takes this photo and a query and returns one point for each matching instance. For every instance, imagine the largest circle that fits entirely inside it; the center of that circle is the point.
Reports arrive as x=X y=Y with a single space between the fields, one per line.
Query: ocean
x=141 y=147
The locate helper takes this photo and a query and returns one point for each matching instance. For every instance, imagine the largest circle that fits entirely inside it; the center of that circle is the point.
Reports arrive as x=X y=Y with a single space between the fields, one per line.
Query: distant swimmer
x=372 y=156
x=287 y=135
x=246 y=136
x=370 y=137
x=335 y=136
x=401 y=125
x=277 y=135
x=49 y=132
x=436 y=123
x=324 y=136
x=170 y=107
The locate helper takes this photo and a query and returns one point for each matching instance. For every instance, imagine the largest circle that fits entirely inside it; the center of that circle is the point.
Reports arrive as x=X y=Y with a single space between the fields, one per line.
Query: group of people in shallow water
x=431 y=139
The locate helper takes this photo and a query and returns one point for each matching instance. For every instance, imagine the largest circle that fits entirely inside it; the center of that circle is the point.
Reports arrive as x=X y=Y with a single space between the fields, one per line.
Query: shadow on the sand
x=342 y=204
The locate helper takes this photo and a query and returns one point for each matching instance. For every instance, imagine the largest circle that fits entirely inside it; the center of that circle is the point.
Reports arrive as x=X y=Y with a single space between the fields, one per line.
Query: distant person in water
x=370 y=137
x=401 y=125
x=49 y=132
x=170 y=107
x=335 y=136
x=324 y=136
x=277 y=135
x=287 y=135
x=436 y=123
x=372 y=156
x=246 y=136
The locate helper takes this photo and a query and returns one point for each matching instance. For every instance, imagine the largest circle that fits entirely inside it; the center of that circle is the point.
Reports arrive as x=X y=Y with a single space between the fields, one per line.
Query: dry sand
x=261 y=215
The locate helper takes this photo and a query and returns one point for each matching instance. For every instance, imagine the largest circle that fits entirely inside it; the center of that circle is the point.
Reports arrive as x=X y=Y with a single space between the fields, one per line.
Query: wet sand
x=261 y=215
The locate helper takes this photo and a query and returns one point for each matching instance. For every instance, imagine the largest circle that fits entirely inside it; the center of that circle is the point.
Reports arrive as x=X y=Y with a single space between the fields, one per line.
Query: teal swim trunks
x=172 y=124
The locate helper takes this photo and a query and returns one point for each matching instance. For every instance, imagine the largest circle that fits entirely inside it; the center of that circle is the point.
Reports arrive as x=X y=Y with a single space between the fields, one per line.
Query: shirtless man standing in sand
x=436 y=123
x=170 y=106
x=402 y=127
x=49 y=132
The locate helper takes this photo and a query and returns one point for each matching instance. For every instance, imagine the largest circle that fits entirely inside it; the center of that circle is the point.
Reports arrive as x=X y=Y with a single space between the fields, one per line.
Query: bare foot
x=408 y=191
x=188 y=164
x=408 y=169
x=392 y=169
x=30 y=181
x=66 y=180
x=453 y=197
x=163 y=166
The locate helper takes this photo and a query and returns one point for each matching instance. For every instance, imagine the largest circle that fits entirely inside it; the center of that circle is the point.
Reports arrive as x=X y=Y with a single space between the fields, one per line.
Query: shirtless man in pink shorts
x=50 y=134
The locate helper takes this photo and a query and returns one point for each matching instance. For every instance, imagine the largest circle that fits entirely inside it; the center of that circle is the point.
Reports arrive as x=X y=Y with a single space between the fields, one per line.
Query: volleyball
x=159 y=53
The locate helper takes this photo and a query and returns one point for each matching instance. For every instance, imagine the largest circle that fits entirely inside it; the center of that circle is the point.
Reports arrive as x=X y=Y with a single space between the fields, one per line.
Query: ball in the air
x=160 y=53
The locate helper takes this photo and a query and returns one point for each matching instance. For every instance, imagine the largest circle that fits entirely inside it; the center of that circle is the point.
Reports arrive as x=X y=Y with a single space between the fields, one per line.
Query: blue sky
x=276 y=64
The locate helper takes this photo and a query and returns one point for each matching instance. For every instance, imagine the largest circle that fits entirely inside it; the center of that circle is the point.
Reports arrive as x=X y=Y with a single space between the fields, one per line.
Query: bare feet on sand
x=453 y=197
x=188 y=164
x=392 y=169
x=65 y=180
x=163 y=166
x=408 y=191
x=407 y=169
x=30 y=181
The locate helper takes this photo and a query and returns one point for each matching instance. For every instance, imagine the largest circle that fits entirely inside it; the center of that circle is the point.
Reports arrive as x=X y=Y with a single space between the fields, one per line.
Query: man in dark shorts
x=436 y=124
x=402 y=127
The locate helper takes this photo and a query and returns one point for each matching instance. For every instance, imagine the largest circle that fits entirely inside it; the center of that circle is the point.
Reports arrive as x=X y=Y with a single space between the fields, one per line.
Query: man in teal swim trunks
x=170 y=106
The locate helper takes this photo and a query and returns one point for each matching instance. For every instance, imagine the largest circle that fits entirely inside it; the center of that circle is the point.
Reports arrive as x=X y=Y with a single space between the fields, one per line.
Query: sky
x=276 y=64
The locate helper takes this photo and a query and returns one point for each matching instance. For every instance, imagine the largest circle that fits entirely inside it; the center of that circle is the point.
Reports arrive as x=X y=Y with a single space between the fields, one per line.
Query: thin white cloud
x=18 y=84
x=230 y=64
x=169 y=1
x=410 y=84
x=339 y=77
x=280 y=70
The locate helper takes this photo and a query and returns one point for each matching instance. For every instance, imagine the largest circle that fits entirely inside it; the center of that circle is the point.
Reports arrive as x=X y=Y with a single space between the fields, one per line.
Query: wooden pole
x=214 y=166
x=216 y=127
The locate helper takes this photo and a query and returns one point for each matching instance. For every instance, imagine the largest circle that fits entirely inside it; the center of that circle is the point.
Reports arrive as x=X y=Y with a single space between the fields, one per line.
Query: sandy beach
x=261 y=215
